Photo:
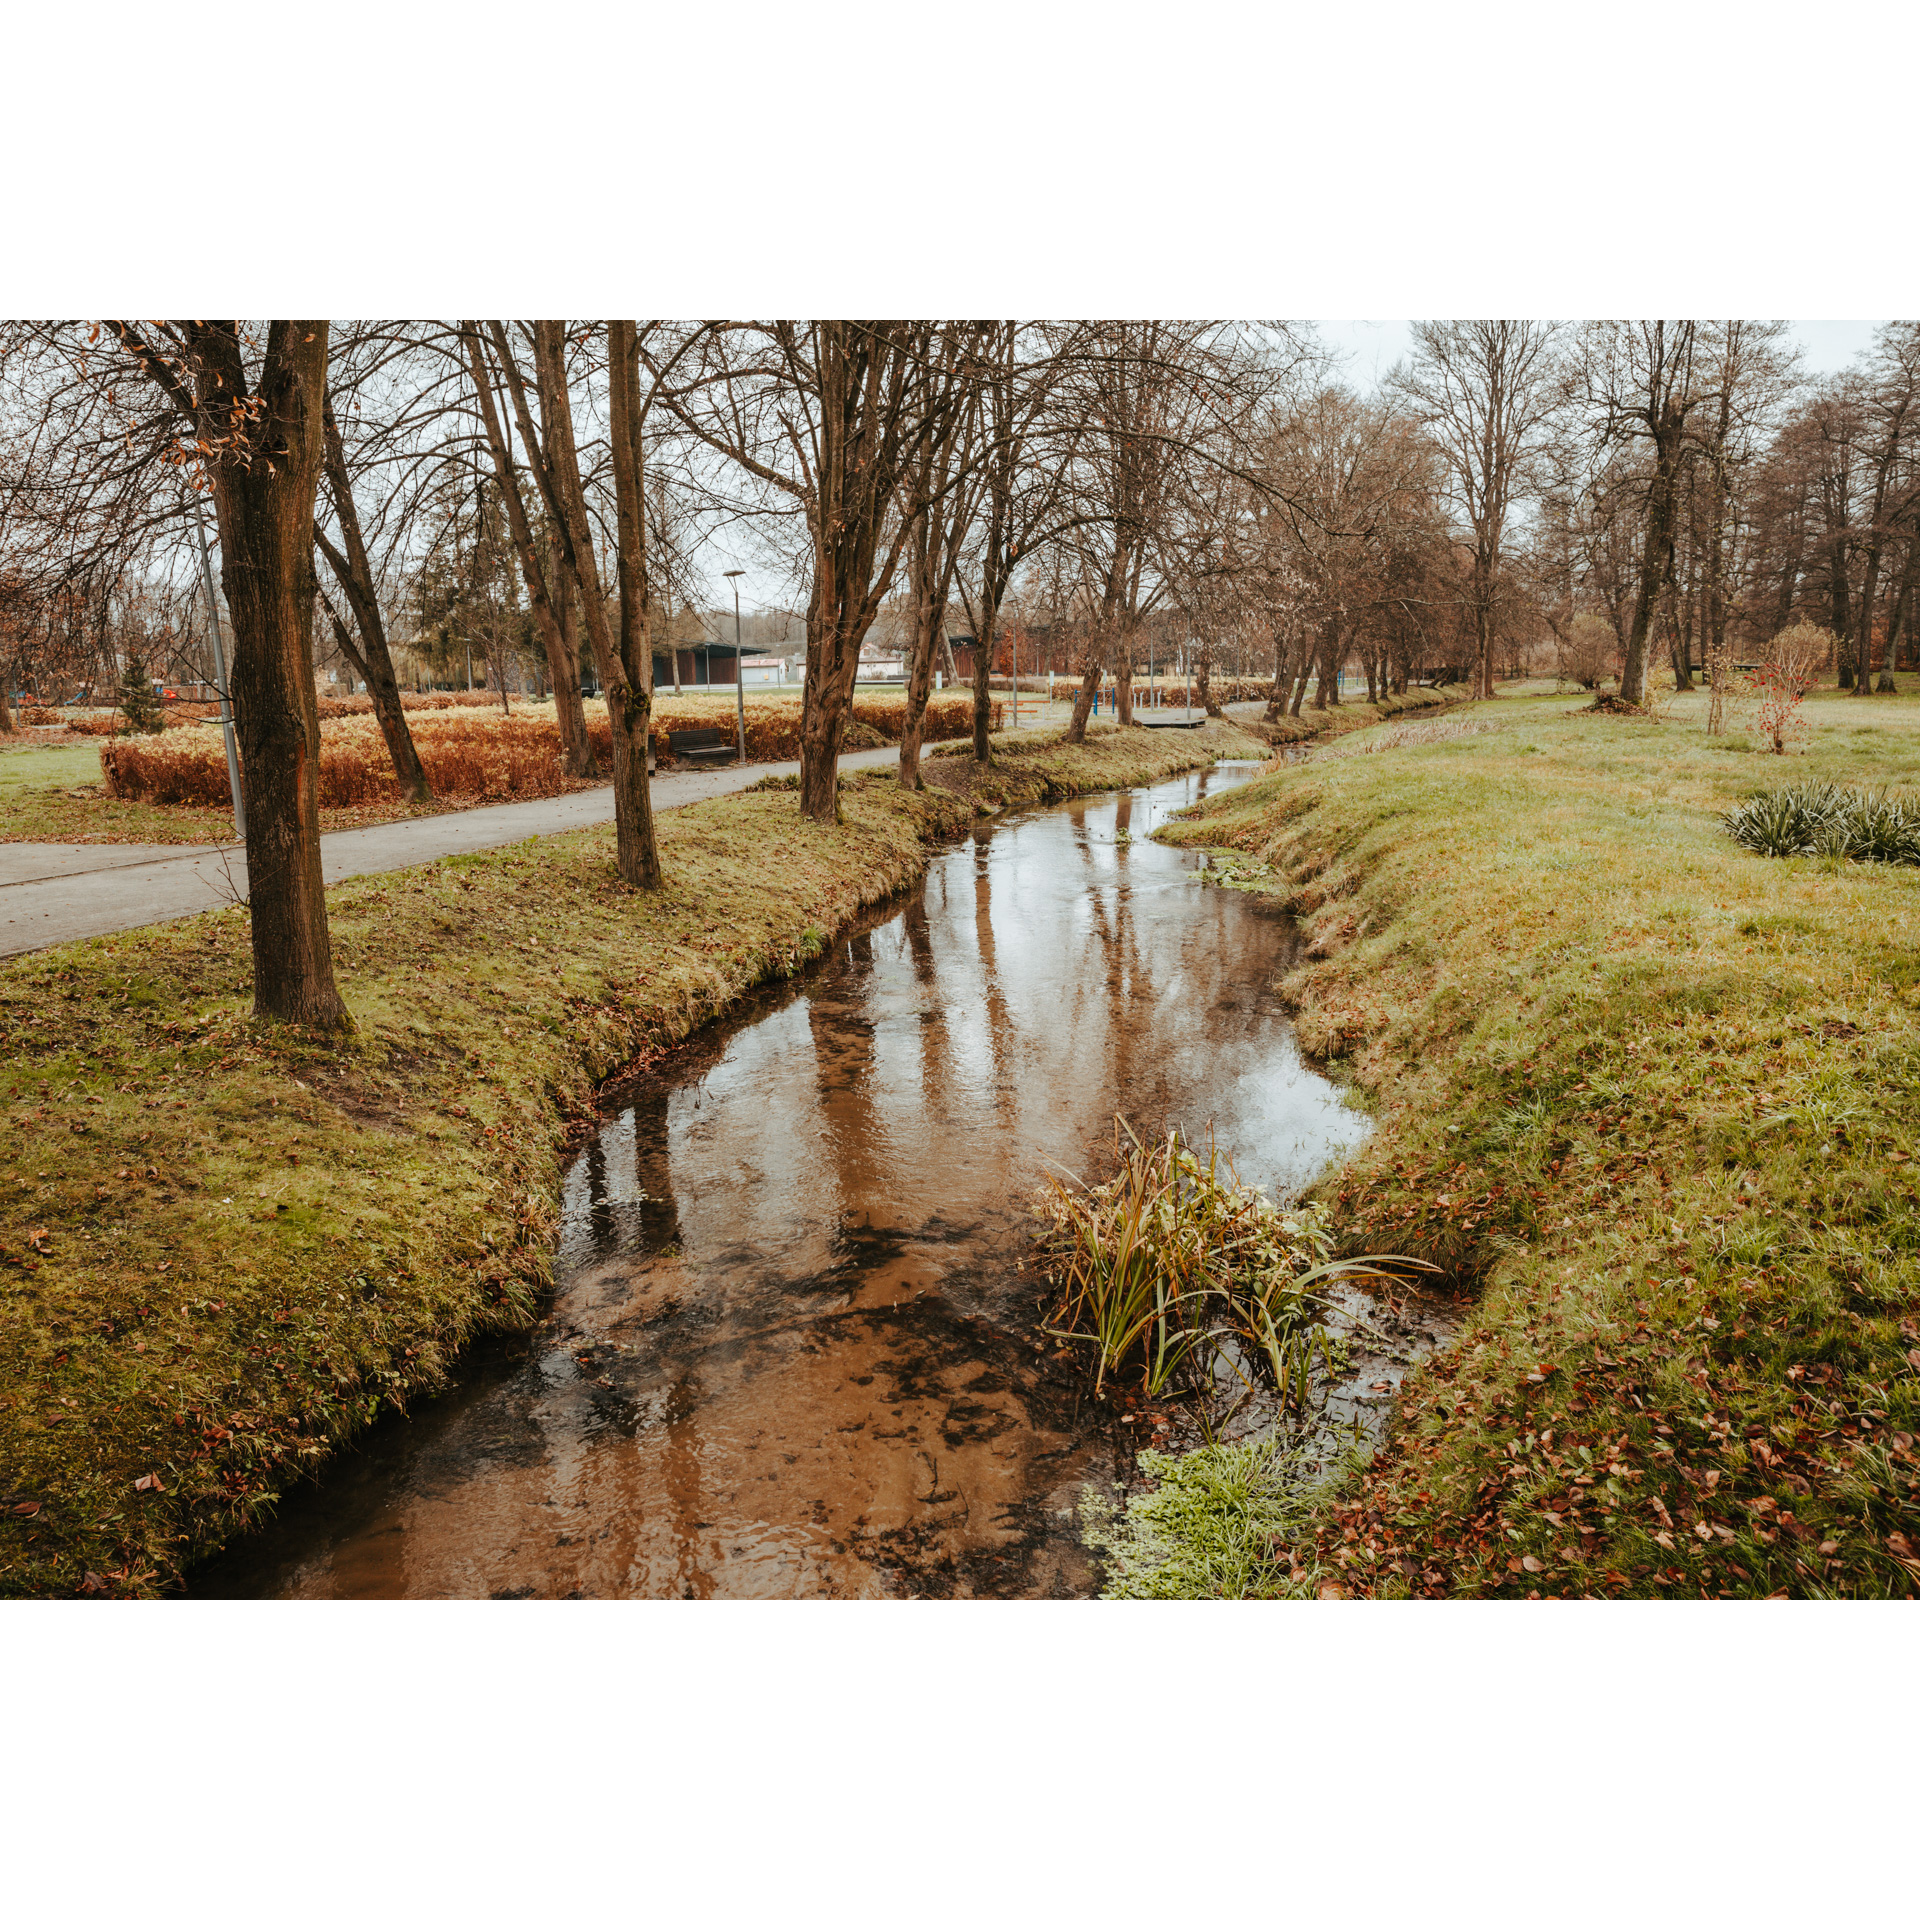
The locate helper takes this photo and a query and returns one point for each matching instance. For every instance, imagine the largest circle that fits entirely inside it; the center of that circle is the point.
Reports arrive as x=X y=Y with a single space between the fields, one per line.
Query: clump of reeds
x=1175 y=1258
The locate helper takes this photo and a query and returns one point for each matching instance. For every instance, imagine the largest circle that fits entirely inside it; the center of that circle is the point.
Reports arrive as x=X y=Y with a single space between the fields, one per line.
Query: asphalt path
x=51 y=892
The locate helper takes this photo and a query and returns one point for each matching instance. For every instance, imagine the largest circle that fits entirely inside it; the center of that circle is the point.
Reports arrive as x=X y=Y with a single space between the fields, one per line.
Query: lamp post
x=220 y=667
x=739 y=665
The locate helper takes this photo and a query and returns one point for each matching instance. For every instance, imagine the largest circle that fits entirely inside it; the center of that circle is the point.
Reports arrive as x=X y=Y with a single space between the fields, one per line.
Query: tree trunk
x=1656 y=560
x=636 y=856
x=1482 y=632
x=1840 y=607
x=1092 y=667
x=354 y=571
x=988 y=619
x=1203 y=679
x=1123 y=684
x=1863 y=637
x=549 y=619
x=639 y=848
x=264 y=506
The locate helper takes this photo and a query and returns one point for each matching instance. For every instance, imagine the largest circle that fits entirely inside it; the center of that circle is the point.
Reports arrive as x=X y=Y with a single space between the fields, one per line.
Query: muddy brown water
x=792 y=1349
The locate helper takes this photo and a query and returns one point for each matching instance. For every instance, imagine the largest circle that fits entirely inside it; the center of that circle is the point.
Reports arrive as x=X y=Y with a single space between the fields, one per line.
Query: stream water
x=793 y=1349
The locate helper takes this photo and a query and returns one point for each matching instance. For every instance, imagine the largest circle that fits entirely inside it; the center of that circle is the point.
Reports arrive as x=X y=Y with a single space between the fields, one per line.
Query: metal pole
x=220 y=668
x=739 y=669
x=739 y=677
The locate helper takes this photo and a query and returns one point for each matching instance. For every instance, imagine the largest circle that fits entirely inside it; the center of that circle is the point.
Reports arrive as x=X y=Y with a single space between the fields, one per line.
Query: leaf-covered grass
x=1653 y=1099
x=224 y=1248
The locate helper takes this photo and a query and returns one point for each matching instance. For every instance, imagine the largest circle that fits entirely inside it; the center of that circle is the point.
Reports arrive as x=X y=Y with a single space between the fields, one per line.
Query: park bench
x=704 y=743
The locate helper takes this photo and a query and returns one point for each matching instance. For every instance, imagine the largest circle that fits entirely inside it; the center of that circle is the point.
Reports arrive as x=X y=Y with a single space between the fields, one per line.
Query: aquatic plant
x=1175 y=1255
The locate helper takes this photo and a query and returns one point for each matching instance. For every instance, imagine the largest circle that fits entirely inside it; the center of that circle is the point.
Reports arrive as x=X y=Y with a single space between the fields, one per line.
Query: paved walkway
x=51 y=893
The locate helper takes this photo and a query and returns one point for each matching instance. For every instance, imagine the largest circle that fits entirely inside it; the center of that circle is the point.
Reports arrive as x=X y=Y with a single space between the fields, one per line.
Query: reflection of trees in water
x=604 y=1229
x=840 y=1021
x=653 y=1161
x=935 y=1054
x=681 y=1483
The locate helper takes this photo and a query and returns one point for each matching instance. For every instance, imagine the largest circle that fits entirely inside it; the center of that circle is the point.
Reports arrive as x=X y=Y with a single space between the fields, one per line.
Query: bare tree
x=259 y=436
x=1486 y=391
x=545 y=594
x=371 y=660
x=938 y=503
x=1644 y=379
x=832 y=415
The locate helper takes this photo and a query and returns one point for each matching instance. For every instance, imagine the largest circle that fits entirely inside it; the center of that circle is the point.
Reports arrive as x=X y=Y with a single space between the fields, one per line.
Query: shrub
x=467 y=754
x=1590 y=652
x=1794 y=657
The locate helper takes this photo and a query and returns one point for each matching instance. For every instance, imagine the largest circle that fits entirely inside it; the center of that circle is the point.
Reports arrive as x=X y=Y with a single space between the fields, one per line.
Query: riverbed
x=793 y=1347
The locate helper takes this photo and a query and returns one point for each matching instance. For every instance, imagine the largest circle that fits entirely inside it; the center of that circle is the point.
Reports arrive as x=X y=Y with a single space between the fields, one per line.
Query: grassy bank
x=1031 y=768
x=224 y=1248
x=1651 y=1098
x=1329 y=723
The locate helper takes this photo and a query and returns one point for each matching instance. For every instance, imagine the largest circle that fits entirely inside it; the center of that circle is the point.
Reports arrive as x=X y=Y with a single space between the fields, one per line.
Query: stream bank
x=793 y=1347
x=228 y=1249
x=1655 y=1094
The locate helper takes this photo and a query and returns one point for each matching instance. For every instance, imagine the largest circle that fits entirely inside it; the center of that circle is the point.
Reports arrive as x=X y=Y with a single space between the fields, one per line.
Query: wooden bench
x=705 y=743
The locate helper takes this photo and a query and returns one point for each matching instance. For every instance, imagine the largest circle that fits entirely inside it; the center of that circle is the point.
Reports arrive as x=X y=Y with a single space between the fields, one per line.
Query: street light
x=739 y=664
x=220 y=667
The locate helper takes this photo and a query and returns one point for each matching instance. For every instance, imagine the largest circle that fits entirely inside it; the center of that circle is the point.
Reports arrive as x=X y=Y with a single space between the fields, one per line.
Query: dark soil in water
x=793 y=1347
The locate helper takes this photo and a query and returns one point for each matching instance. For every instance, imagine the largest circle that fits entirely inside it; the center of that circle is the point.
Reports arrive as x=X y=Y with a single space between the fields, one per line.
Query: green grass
x=56 y=793
x=1651 y=1098
x=1207 y=1528
x=25 y=770
x=224 y=1247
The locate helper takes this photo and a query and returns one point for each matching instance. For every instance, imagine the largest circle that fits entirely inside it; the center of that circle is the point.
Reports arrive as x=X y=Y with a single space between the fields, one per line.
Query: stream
x=792 y=1349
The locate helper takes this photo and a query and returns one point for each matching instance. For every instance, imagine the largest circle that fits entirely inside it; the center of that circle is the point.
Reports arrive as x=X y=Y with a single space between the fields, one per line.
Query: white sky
x=1372 y=346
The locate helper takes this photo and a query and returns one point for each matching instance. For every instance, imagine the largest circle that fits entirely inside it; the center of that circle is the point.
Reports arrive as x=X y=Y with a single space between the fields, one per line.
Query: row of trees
x=492 y=483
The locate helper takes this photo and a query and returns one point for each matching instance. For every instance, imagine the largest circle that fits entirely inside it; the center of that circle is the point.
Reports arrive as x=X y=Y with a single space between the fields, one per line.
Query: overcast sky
x=1372 y=346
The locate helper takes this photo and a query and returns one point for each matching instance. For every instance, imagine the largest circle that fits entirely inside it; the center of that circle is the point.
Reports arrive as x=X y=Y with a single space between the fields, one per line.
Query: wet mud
x=793 y=1346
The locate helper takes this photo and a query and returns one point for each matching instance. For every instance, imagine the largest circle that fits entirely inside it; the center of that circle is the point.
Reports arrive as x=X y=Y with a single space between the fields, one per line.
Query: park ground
x=1650 y=1100
x=225 y=1247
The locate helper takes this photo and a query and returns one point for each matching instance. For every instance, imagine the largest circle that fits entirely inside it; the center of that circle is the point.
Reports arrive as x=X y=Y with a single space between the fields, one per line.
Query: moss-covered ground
x=1652 y=1101
x=224 y=1246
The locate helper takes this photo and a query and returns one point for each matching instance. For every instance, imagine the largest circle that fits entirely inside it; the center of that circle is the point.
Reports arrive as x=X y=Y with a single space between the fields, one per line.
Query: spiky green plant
x=1818 y=817
x=1175 y=1255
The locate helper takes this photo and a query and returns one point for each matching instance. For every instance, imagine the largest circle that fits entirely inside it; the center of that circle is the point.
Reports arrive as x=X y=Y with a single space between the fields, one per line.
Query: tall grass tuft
x=1175 y=1256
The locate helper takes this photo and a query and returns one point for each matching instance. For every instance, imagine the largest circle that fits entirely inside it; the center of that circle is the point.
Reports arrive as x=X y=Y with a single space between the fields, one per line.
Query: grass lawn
x=1652 y=1100
x=224 y=1247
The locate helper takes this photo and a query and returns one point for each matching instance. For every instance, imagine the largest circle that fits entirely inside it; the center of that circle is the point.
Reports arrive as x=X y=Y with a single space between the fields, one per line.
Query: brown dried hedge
x=467 y=754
